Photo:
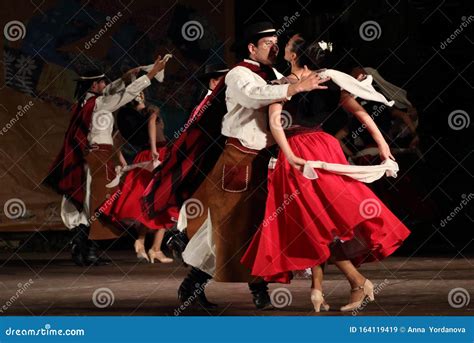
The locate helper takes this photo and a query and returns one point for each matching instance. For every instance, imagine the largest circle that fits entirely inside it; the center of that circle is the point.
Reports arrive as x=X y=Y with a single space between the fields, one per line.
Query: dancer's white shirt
x=115 y=95
x=247 y=98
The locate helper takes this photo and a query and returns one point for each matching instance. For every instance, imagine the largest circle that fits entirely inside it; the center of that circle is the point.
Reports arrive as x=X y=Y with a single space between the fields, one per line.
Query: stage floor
x=406 y=286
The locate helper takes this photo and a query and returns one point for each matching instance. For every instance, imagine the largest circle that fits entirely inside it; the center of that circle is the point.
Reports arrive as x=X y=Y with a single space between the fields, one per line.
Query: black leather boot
x=261 y=299
x=91 y=258
x=79 y=244
x=83 y=250
x=176 y=242
x=191 y=290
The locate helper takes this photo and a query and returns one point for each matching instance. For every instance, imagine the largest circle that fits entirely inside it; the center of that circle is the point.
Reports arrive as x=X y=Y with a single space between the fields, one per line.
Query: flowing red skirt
x=305 y=219
x=127 y=206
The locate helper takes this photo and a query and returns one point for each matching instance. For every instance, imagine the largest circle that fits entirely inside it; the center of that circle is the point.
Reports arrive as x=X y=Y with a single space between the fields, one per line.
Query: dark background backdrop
x=410 y=51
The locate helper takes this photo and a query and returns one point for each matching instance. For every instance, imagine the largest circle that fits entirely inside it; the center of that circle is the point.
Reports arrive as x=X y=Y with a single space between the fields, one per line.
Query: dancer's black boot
x=176 y=242
x=91 y=258
x=84 y=250
x=259 y=291
x=191 y=289
x=79 y=244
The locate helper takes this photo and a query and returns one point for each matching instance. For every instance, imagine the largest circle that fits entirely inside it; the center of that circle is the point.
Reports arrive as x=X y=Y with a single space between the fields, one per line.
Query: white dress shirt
x=115 y=96
x=247 y=98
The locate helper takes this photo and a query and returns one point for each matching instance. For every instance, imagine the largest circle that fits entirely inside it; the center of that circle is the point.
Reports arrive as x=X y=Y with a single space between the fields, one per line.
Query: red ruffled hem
x=127 y=206
x=303 y=218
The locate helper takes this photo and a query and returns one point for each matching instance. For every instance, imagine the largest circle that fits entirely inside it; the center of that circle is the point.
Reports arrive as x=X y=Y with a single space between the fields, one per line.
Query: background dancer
x=83 y=166
x=126 y=209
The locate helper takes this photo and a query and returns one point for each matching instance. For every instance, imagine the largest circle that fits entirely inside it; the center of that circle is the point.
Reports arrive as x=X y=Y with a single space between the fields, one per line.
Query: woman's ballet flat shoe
x=159 y=256
x=368 y=288
x=317 y=299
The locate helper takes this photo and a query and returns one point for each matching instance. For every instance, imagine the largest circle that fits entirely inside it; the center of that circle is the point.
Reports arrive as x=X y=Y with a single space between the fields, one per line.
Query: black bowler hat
x=258 y=30
x=212 y=71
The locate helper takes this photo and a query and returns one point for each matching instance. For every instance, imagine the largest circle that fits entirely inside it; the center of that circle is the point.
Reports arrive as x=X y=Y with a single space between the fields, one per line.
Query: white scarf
x=366 y=174
x=362 y=89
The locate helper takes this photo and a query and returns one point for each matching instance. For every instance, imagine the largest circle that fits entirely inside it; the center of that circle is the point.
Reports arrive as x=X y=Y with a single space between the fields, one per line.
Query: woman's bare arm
x=152 y=134
x=352 y=106
x=274 y=113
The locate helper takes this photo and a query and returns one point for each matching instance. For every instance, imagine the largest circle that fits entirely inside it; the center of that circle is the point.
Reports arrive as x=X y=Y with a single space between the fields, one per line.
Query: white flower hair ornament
x=325 y=46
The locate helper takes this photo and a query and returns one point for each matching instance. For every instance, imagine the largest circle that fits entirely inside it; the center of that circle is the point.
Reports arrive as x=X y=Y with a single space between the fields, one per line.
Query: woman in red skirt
x=332 y=218
x=126 y=209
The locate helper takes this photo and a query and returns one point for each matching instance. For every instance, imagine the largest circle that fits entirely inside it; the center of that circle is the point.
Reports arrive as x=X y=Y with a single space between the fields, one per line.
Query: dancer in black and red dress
x=126 y=208
x=310 y=221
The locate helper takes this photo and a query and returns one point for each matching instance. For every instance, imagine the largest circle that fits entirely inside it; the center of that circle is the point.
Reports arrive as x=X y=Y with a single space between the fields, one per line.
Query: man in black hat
x=91 y=124
x=234 y=192
x=211 y=76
